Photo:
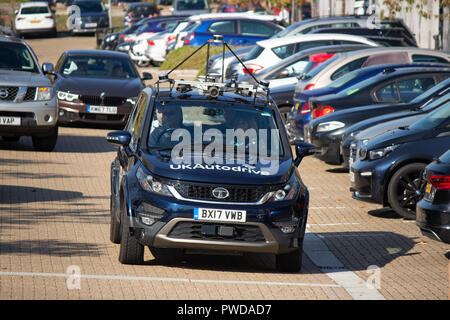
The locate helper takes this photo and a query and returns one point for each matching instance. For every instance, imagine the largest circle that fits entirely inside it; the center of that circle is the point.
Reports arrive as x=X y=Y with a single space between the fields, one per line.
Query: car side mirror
x=303 y=149
x=283 y=74
x=16 y=12
x=146 y=76
x=121 y=138
x=47 y=68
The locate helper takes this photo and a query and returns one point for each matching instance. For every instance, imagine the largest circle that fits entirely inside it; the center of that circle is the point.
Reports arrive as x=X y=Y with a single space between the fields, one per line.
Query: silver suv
x=28 y=105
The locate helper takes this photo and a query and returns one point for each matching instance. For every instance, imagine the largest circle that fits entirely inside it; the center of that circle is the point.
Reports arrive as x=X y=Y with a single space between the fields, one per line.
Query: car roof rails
x=213 y=85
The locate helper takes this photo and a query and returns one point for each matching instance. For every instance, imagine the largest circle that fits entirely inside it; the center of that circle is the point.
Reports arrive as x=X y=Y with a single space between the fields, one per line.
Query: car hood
x=383 y=127
x=394 y=137
x=21 y=78
x=93 y=15
x=160 y=164
x=95 y=86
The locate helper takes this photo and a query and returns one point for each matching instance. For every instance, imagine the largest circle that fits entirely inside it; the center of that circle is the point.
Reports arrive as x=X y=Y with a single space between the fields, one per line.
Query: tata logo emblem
x=102 y=97
x=220 y=193
x=3 y=93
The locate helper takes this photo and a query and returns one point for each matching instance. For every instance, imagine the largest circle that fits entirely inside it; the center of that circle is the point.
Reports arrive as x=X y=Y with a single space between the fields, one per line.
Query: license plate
x=205 y=214
x=10 y=121
x=428 y=189
x=35 y=21
x=102 y=109
x=90 y=25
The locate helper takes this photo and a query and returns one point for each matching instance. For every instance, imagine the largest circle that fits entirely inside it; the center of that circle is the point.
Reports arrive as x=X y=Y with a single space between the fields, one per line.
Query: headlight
x=329 y=126
x=289 y=191
x=112 y=37
x=354 y=133
x=150 y=184
x=377 y=153
x=44 y=93
x=66 y=96
x=132 y=100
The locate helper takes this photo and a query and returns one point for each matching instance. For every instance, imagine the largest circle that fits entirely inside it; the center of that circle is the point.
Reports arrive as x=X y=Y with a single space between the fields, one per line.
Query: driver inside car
x=169 y=118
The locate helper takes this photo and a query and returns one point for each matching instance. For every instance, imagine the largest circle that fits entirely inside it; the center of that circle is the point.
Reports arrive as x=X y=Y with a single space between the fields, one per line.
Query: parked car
x=90 y=16
x=28 y=105
x=390 y=86
x=362 y=130
x=268 y=52
x=96 y=86
x=389 y=168
x=236 y=31
x=140 y=10
x=433 y=211
x=152 y=47
x=189 y=7
x=113 y=39
x=35 y=18
x=287 y=70
x=309 y=25
x=345 y=62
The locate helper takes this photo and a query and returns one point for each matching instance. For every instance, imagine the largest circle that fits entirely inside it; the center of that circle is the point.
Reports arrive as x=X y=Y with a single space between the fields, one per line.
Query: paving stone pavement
x=54 y=220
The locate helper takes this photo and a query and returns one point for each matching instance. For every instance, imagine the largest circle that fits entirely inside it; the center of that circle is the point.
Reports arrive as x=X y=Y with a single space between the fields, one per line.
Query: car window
x=411 y=88
x=191 y=5
x=228 y=26
x=312 y=44
x=284 y=51
x=254 y=53
x=253 y=28
x=388 y=93
x=17 y=57
x=427 y=58
x=294 y=69
x=355 y=64
x=313 y=72
x=136 y=124
x=445 y=158
x=34 y=10
x=433 y=119
x=97 y=66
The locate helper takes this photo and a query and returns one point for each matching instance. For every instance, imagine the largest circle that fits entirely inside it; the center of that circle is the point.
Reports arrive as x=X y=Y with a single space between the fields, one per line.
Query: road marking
x=132 y=278
x=322 y=257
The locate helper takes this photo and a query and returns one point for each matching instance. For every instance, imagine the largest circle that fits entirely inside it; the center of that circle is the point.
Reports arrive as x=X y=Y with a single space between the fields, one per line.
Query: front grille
x=30 y=94
x=17 y=114
x=198 y=191
x=107 y=101
x=8 y=93
x=193 y=231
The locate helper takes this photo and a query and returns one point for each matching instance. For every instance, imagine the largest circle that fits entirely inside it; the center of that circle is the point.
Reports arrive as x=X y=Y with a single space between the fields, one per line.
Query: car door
x=252 y=31
x=226 y=28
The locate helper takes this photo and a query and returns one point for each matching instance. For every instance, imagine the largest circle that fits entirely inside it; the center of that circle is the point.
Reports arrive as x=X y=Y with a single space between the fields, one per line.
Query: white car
x=268 y=52
x=35 y=18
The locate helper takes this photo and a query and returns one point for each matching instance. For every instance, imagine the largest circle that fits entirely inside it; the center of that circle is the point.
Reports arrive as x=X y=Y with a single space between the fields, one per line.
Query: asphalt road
x=54 y=234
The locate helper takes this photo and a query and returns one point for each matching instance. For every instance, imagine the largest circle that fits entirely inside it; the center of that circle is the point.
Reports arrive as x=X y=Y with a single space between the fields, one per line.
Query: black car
x=389 y=87
x=172 y=200
x=422 y=104
x=140 y=10
x=87 y=16
x=96 y=86
x=388 y=169
x=433 y=211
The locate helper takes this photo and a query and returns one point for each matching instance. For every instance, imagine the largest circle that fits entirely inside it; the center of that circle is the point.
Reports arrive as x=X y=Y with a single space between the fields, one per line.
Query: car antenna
x=210 y=84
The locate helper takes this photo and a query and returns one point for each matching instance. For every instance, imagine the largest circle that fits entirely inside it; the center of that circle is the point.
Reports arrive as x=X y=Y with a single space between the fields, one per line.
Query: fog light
x=287 y=226
x=280 y=195
x=287 y=229
x=148 y=220
x=149 y=214
x=61 y=113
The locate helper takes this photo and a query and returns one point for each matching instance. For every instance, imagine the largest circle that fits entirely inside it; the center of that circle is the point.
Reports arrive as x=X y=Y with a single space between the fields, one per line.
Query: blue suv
x=172 y=196
x=235 y=31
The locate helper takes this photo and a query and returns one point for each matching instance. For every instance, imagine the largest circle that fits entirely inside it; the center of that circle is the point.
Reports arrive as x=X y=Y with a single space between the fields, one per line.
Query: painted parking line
x=186 y=280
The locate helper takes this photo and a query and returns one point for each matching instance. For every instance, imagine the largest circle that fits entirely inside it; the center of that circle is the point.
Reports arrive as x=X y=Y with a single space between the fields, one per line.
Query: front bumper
x=433 y=220
x=366 y=181
x=73 y=112
x=328 y=145
x=178 y=229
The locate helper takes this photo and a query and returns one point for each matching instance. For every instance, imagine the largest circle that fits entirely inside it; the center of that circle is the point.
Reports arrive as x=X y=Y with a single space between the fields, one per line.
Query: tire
x=284 y=111
x=292 y=261
x=167 y=255
x=404 y=190
x=11 y=139
x=114 y=230
x=131 y=251
x=142 y=64
x=46 y=143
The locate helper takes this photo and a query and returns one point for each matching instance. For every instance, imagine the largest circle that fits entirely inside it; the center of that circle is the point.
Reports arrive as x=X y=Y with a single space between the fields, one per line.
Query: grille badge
x=3 y=93
x=220 y=193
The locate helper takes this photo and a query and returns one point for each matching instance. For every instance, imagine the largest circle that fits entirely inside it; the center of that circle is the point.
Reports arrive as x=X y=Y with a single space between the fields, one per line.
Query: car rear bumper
x=433 y=220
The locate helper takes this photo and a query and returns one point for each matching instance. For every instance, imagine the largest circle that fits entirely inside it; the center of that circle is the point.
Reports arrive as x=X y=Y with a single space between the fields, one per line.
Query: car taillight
x=20 y=18
x=48 y=17
x=150 y=42
x=170 y=38
x=320 y=111
x=305 y=109
x=189 y=38
x=320 y=57
x=440 y=182
x=252 y=68
x=122 y=36
x=309 y=87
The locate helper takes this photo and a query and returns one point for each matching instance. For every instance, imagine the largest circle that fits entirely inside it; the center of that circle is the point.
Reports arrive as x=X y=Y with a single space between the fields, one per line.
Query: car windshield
x=204 y=123
x=432 y=120
x=191 y=5
x=98 y=67
x=445 y=158
x=432 y=104
x=34 y=10
x=17 y=57
x=87 y=6
x=432 y=91
x=345 y=79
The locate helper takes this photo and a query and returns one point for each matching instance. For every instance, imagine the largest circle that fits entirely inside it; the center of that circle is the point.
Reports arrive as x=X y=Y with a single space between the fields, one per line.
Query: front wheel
x=46 y=143
x=404 y=190
x=131 y=251
x=292 y=261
